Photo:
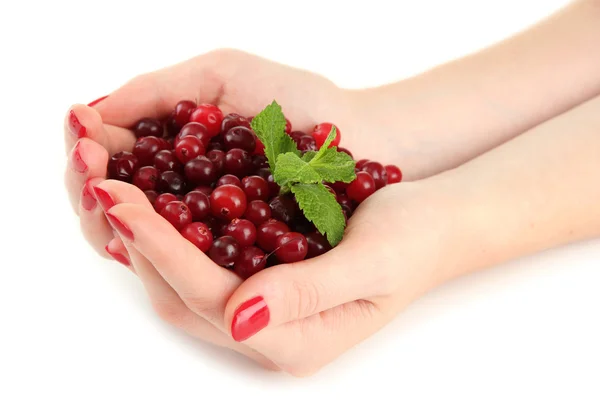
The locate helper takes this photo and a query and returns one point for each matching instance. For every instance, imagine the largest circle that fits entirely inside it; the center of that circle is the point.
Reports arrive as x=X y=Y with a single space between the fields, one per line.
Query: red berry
x=265 y=173
x=195 y=129
x=165 y=160
x=232 y=120
x=229 y=179
x=183 y=111
x=260 y=147
x=122 y=166
x=238 y=162
x=148 y=127
x=284 y=208
x=224 y=251
x=259 y=161
x=210 y=116
x=145 y=149
x=228 y=202
x=394 y=174
x=268 y=232
x=177 y=213
x=344 y=150
x=317 y=244
x=207 y=190
x=162 y=200
x=200 y=171
x=288 y=126
x=217 y=157
x=239 y=137
x=255 y=187
x=198 y=204
x=361 y=163
x=297 y=135
x=346 y=204
x=362 y=187
x=307 y=143
x=145 y=178
x=251 y=260
x=291 y=247
x=242 y=230
x=257 y=212
x=321 y=131
x=378 y=172
x=170 y=182
x=199 y=234
x=170 y=126
x=189 y=148
x=151 y=195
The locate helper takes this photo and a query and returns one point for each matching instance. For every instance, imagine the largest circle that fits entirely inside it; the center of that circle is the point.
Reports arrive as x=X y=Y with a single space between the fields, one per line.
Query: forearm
x=538 y=191
x=452 y=113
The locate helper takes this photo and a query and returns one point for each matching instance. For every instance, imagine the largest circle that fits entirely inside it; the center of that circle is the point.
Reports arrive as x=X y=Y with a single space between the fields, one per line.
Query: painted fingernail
x=76 y=127
x=249 y=318
x=119 y=226
x=93 y=103
x=105 y=199
x=118 y=257
x=76 y=161
x=88 y=200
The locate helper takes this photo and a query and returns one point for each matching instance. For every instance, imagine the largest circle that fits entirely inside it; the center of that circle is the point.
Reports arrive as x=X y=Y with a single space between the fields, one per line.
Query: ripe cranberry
x=330 y=188
x=151 y=195
x=145 y=178
x=232 y=120
x=321 y=131
x=208 y=115
x=268 y=232
x=284 y=208
x=307 y=143
x=170 y=182
x=361 y=163
x=189 y=148
x=394 y=174
x=224 y=251
x=122 y=166
x=317 y=244
x=200 y=171
x=297 y=135
x=265 y=173
x=259 y=161
x=183 y=111
x=362 y=187
x=198 y=204
x=257 y=212
x=195 y=129
x=255 y=187
x=238 y=162
x=239 y=137
x=302 y=225
x=228 y=202
x=217 y=157
x=288 y=126
x=378 y=172
x=260 y=147
x=291 y=247
x=148 y=127
x=165 y=160
x=177 y=213
x=346 y=204
x=339 y=187
x=199 y=234
x=170 y=126
x=145 y=149
x=215 y=146
x=251 y=260
x=217 y=226
x=162 y=200
x=229 y=179
x=207 y=190
x=344 y=150
x=241 y=230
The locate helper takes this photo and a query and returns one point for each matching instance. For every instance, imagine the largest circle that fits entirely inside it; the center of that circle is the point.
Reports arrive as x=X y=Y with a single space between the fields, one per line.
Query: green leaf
x=320 y=206
x=269 y=126
x=309 y=155
x=334 y=166
x=292 y=169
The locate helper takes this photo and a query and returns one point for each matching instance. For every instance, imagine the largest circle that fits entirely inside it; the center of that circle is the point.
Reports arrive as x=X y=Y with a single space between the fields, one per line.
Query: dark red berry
x=162 y=200
x=361 y=163
x=321 y=131
x=208 y=115
x=291 y=247
x=317 y=244
x=216 y=146
x=122 y=166
x=228 y=202
x=151 y=195
x=183 y=111
x=307 y=143
x=207 y=190
x=242 y=230
x=199 y=235
x=302 y=225
x=170 y=126
x=268 y=232
x=377 y=171
x=217 y=226
x=256 y=188
x=344 y=150
x=165 y=160
x=200 y=171
x=229 y=179
x=394 y=174
x=224 y=251
x=198 y=204
x=265 y=173
x=260 y=147
x=170 y=182
x=257 y=212
x=177 y=213
x=239 y=137
x=217 y=157
x=284 y=208
x=238 y=162
x=297 y=135
x=339 y=187
x=145 y=149
x=362 y=187
x=148 y=127
x=251 y=260
x=288 y=126
x=145 y=178
x=196 y=130
x=189 y=148
x=346 y=204
x=259 y=161
x=232 y=120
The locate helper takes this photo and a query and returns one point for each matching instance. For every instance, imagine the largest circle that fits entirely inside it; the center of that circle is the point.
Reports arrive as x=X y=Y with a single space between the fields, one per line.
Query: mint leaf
x=269 y=126
x=320 y=206
x=334 y=166
x=292 y=169
x=309 y=155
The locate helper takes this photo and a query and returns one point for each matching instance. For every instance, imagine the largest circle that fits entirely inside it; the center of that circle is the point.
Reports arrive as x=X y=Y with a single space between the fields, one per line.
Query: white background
x=79 y=327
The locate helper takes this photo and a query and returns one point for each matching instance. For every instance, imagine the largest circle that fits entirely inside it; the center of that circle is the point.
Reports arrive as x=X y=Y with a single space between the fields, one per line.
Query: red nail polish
x=93 y=103
x=119 y=226
x=105 y=199
x=76 y=128
x=76 y=161
x=249 y=318
x=88 y=200
x=118 y=257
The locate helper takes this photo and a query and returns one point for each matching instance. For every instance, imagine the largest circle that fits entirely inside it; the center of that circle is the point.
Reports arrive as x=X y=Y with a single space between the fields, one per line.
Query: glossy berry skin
x=122 y=166
x=297 y=135
x=394 y=174
x=260 y=147
x=210 y=116
x=165 y=144
x=195 y=129
x=177 y=213
x=183 y=111
x=170 y=126
x=378 y=172
x=198 y=203
x=217 y=157
x=199 y=235
x=291 y=247
x=162 y=200
x=317 y=244
x=170 y=182
x=151 y=195
x=265 y=173
x=283 y=208
x=257 y=212
x=145 y=149
x=189 y=148
x=239 y=137
x=268 y=232
x=207 y=190
x=148 y=127
x=228 y=202
x=362 y=187
x=251 y=260
x=361 y=163
x=255 y=187
x=225 y=251
x=200 y=171
x=238 y=162
x=346 y=204
x=232 y=120
x=259 y=161
x=307 y=143
x=215 y=146
x=229 y=179
x=145 y=178
x=242 y=230
x=165 y=160
x=321 y=131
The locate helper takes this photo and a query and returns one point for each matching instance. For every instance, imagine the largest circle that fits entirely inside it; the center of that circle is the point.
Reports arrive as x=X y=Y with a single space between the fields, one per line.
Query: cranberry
x=207 y=190
x=195 y=129
x=317 y=244
x=265 y=173
x=239 y=137
x=122 y=166
x=215 y=146
x=208 y=115
x=189 y=148
x=377 y=171
x=260 y=147
x=242 y=230
x=151 y=195
x=297 y=135
x=394 y=174
x=200 y=171
x=259 y=161
x=198 y=204
x=217 y=157
x=170 y=182
x=288 y=126
x=199 y=235
x=145 y=178
x=307 y=143
x=216 y=226
x=346 y=204
x=228 y=202
x=162 y=200
x=145 y=149
x=251 y=260
x=344 y=150
x=165 y=160
x=229 y=179
x=283 y=208
x=255 y=187
x=361 y=163
x=165 y=144
x=238 y=162
x=302 y=225
x=257 y=212
x=291 y=247
x=183 y=111
x=232 y=120
x=362 y=187
x=321 y=131
x=224 y=251
x=148 y=127
x=177 y=213
x=268 y=232
x=171 y=127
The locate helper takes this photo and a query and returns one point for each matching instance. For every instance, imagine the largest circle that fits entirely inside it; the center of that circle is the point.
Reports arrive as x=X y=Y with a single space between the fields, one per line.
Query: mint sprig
x=304 y=175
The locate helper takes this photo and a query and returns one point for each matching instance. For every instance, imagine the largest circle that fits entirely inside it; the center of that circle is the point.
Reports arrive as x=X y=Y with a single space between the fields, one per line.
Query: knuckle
x=306 y=296
x=201 y=306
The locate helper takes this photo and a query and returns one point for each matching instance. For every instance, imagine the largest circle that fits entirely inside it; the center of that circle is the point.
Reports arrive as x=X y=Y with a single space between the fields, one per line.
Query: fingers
x=94 y=226
x=117 y=250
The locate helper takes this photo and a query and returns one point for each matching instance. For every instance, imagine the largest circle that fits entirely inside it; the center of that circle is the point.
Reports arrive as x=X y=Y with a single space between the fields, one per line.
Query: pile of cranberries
x=207 y=175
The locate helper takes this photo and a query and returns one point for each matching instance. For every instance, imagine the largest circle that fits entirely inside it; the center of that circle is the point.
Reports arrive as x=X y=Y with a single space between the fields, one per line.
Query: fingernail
x=118 y=257
x=249 y=318
x=88 y=200
x=119 y=226
x=76 y=128
x=93 y=103
x=105 y=199
x=76 y=161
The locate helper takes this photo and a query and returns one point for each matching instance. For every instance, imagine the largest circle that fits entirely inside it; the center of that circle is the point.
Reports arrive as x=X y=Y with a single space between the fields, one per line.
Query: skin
x=470 y=200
